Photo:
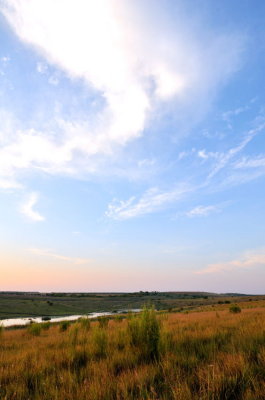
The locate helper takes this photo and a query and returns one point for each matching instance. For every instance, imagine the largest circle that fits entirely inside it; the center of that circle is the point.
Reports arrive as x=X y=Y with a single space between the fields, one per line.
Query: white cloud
x=7 y=183
x=249 y=260
x=41 y=67
x=224 y=158
x=146 y=163
x=112 y=47
x=151 y=201
x=27 y=208
x=203 y=211
x=50 y=254
x=226 y=116
x=205 y=155
x=185 y=154
x=53 y=80
x=5 y=60
x=257 y=162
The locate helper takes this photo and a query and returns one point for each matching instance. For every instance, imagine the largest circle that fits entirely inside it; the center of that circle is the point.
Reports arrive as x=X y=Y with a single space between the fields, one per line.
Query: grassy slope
x=202 y=355
x=27 y=305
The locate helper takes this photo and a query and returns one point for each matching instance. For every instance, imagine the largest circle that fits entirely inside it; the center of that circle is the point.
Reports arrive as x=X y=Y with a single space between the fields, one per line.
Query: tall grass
x=144 y=334
x=100 y=342
x=64 y=325
x=1 y=330
x=85 y=323
x=34 y=329
x=147 y=357
x=103 y=321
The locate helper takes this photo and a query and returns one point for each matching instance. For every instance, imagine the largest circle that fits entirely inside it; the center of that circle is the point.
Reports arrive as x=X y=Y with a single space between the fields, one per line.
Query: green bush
x=34 y=329
x=235 y=309
x=144 y=333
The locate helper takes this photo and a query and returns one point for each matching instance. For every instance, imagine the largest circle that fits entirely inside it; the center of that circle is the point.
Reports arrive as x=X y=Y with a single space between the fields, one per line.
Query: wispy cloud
x=27 y=208
x=249 y=260
x=224 y=158
x=203 y=211
x=247 y=162
x=41 y=67
x=5 y=59
x=186 y=153
x=131 y=68
x=228 y=115
x=50 y=254
x=152 y=200
x=205 y=155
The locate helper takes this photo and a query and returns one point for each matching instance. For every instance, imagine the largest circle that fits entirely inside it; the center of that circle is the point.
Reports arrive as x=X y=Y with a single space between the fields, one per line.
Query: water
x=26 y=321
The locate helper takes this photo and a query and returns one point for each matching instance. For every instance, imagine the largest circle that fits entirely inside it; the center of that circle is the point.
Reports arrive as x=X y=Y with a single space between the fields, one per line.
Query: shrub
x=144 y=333
x=34 y=329
x=64 y=326
x=235 y=309
x=1 y=330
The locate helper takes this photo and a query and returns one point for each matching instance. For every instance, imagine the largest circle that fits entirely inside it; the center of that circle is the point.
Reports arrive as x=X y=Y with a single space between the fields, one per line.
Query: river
x=6 y=323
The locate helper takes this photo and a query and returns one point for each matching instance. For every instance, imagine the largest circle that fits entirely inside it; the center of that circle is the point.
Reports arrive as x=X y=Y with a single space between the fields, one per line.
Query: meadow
x=211 y=353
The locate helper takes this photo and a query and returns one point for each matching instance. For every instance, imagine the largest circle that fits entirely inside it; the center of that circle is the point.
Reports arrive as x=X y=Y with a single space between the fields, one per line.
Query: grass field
x=58 y=304
x=205 y=354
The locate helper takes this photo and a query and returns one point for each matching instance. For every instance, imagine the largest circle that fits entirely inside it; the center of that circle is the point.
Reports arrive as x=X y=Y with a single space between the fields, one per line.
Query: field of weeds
x=200 y=355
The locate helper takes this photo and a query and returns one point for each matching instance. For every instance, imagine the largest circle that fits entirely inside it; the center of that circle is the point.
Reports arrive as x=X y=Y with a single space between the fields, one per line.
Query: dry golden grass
x=211 y=355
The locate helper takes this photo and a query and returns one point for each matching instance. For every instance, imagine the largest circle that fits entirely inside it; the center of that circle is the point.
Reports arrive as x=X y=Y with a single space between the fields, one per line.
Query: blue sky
x=132 y=145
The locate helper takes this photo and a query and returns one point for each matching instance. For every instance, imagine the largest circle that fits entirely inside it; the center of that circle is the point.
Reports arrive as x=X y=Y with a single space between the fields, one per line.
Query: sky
x=132 y=149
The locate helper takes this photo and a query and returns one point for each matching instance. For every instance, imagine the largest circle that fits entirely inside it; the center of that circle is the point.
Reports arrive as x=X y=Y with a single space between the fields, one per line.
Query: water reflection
x=26 y=321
